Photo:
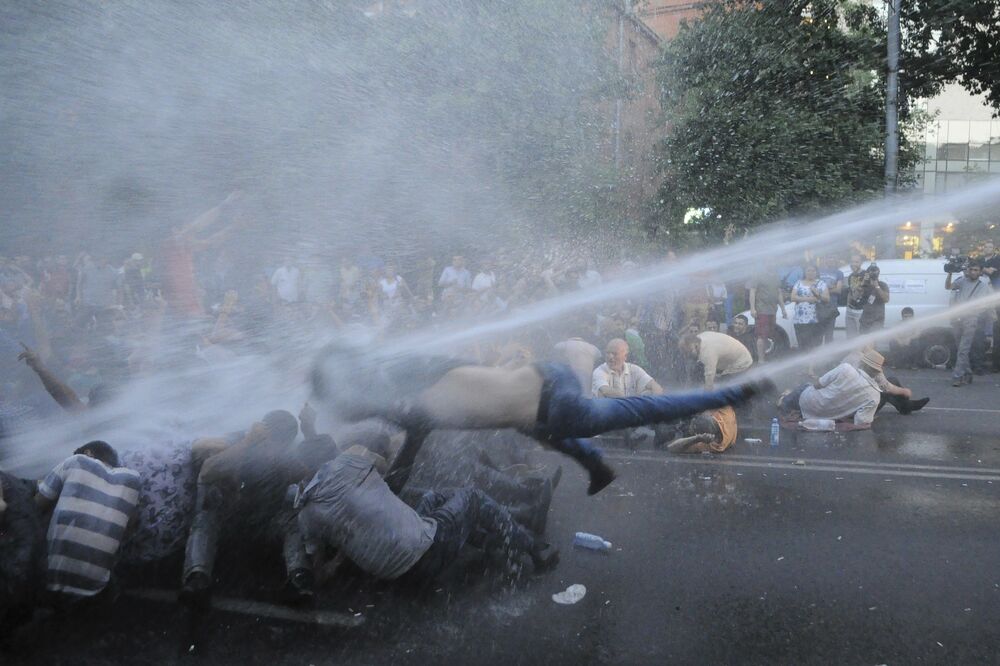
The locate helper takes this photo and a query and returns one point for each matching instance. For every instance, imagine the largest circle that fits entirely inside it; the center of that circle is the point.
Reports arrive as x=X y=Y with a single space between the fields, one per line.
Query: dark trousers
x=213 y=508
x=564 y=413
x=460 y=513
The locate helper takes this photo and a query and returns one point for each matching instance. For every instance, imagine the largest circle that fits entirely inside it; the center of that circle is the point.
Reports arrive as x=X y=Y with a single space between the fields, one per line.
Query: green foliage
x=951 y=40
x=773 y=109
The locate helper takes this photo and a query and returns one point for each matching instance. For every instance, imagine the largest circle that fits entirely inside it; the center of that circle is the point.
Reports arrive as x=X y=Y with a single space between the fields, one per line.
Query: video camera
x=956 y=263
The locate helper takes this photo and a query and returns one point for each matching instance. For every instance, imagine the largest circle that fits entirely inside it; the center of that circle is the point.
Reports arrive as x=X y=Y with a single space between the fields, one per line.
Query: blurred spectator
x=991 y=269
x=855 y=297
x=740 y=330
x=904 y=348
x=806 y=294
x=581 y=356
x=285 y=280
x=766 y=298
x=455 y=277
x=833 y=277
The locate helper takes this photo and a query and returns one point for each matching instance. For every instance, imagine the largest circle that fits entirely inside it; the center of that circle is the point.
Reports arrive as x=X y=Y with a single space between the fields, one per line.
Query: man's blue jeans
x=564 y=415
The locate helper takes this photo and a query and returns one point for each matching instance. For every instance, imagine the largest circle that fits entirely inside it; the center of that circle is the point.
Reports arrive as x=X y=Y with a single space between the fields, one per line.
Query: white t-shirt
x=484 y=281
x=455 y=277
x=286 y=283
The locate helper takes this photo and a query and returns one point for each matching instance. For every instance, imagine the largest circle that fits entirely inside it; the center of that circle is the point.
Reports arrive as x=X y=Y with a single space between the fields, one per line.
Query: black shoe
x=544 y=556
x=299 y=588
x=196 y=592
x=763 y=386
x=601 y=475
x=917 y=405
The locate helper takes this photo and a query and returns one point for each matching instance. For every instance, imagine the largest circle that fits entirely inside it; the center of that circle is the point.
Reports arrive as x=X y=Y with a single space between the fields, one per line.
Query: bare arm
x=753 y=302
x=882 y=293
x=224 y=464
x=402 y=465
x=947 y=282
x=60 y=392
x=607 y=392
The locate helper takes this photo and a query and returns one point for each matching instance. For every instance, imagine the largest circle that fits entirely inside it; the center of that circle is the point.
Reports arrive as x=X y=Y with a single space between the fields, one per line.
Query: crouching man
x=348 y=506
x=93 y=503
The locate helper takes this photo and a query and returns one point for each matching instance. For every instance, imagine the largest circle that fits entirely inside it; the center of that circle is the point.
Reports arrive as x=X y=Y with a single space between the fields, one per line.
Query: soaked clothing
x=458 y=514
x=20 y=543
x=348 y=504
x=845 y=391
x=95 y=505
x=725 y=420
x=168 y=485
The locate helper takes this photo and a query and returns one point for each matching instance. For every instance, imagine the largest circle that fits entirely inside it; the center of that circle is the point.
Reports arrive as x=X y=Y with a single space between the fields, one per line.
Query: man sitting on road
x=844 y=392
x=718 y=353
x=617 y=378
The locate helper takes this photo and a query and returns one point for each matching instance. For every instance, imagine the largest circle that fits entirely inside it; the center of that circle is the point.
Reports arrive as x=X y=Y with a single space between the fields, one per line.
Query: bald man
x=542 y=400
x=617 y=378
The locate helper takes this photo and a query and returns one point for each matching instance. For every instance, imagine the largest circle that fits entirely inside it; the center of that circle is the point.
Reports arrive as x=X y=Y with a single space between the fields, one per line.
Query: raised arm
x=60 y=392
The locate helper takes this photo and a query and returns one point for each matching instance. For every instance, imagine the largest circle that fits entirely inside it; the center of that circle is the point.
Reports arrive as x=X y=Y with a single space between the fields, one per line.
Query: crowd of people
x=428 y=458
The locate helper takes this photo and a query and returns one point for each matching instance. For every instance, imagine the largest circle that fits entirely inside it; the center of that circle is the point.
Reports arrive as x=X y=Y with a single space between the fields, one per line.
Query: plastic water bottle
x=591 y=542
x=775 y=431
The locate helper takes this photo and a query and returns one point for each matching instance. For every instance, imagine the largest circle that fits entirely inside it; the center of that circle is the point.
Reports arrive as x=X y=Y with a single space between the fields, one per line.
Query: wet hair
x=687 y=340
x=906 y=311
x=975 y=263
x=99 y=450
x=743 y=317
x=703 y=423
x=282 y=426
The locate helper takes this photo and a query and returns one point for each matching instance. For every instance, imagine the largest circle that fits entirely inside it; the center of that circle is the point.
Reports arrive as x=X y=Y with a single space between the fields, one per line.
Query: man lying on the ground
x=713 y=431
x=348 y=506
x=844 y=392
x=93 y=502
x=242 y=488
x=542 y=400
x=20 y=548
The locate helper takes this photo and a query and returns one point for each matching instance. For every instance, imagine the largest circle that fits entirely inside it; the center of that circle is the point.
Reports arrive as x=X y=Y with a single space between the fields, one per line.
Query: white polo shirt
x=632 y=380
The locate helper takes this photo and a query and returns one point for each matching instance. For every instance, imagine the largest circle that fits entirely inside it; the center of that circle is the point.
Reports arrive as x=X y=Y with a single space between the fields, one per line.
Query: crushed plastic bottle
x=591 y=542
x=819 y=425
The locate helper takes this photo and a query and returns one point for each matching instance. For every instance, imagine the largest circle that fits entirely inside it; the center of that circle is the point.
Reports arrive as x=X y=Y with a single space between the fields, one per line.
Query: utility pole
x=891 y=99
x=886 y=243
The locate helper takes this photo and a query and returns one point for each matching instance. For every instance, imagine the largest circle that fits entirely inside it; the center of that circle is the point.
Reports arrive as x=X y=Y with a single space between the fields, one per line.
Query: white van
x=914 y=283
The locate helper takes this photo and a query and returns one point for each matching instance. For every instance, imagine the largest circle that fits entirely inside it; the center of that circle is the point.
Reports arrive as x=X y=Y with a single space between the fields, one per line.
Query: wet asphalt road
x=873 y=547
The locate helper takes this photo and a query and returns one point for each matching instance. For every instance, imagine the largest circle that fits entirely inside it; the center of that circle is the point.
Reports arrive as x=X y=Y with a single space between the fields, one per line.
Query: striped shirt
x=94 y=507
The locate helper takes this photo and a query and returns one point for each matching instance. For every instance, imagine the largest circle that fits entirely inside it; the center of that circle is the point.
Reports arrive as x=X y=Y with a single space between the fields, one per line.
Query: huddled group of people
x=425 y=457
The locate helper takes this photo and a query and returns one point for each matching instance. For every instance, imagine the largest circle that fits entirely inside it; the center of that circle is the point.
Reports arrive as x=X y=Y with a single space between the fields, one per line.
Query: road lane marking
x=961 y=409
x=258 y=609
x=863 y=463
x=993 y=475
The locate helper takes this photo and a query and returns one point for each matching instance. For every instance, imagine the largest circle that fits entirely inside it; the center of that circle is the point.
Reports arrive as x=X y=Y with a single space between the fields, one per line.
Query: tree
x=945 y=41
x=773 y=109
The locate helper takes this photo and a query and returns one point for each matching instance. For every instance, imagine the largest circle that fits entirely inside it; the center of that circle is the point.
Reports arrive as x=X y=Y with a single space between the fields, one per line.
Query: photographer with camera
x=854 y=292
x=969 y=328
x=876 y=295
